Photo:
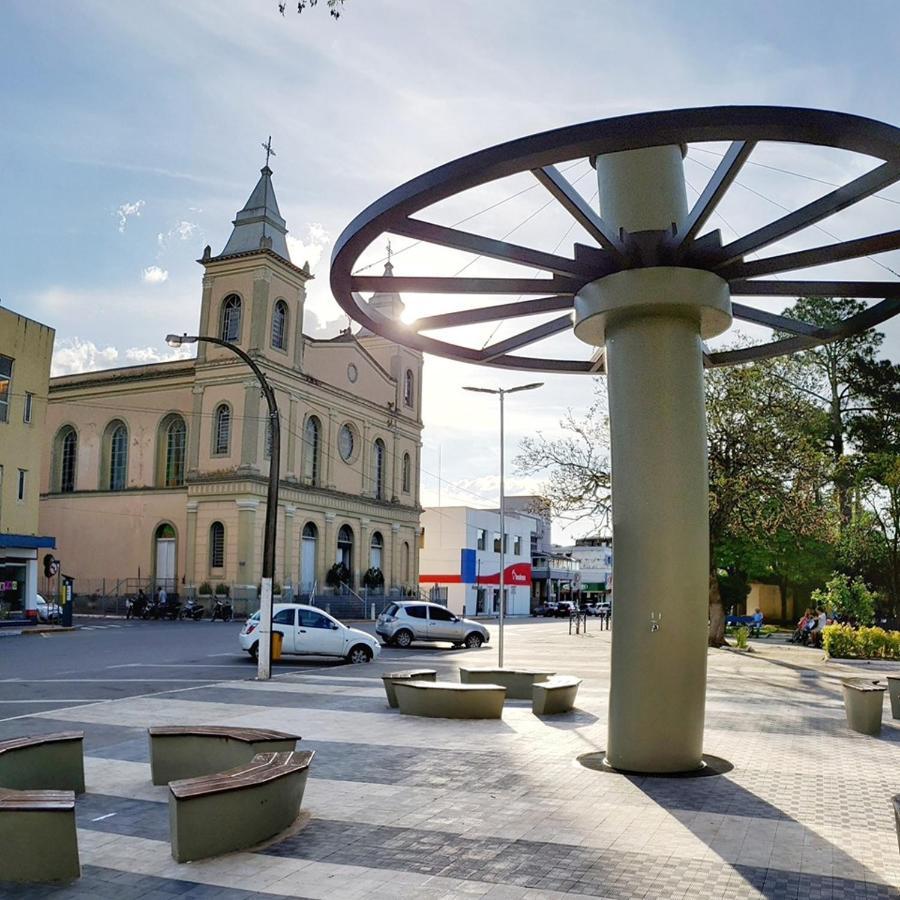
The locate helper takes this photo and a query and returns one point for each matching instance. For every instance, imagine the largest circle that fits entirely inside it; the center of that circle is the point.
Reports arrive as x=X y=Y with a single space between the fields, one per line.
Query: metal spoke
x=539 y=332
x=578 y=208
x=816 y=256
x=772 y=320
x=415 y=284
x=496 y=249
x=833 y=202
x=721 y=180
x=493 y=313
x=752 y=288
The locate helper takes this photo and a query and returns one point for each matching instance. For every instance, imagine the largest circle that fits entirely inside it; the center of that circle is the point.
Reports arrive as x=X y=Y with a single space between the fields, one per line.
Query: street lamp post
x=264 y=652
x=501 y=393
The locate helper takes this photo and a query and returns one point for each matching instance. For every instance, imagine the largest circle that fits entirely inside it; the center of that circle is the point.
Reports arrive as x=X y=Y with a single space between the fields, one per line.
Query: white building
x=459 y=560
x=595 y=558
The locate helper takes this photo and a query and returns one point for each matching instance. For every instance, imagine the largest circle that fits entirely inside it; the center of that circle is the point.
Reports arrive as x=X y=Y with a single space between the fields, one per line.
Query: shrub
x=222 y=590
x=741 y=636
x=847 y=598
x=844 y=642
x=205 y=588
x=337 y=575
x=374 y=578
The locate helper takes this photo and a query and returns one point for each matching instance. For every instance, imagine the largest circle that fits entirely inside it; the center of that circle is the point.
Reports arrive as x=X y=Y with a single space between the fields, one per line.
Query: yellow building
x=159 y=471
x=25 y=350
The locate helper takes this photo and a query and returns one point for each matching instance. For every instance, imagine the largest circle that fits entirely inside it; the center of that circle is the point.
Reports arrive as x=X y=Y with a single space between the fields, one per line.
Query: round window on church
x=346 y=443
x=352 y=373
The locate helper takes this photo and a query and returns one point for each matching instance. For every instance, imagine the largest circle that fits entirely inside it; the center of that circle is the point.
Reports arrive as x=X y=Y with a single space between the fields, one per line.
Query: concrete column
x=327 y=551
x=396 y=575
x=247 y=572
x=329 y=451
x=365 y=463
x=362 y=563
x=290 y=458
x=190 y=545
x=250 y=429
x=193 y=466
x=290 y=548
x=205 y=304
x=651 y=322
x=259 y=314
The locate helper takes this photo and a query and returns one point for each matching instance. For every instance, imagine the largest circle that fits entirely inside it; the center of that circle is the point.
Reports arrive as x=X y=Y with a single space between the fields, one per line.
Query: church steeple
x=259 y=225
x=388 y=302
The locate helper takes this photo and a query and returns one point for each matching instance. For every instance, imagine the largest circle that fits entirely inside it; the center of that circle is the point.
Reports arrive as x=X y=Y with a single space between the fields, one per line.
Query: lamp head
x=176 y=340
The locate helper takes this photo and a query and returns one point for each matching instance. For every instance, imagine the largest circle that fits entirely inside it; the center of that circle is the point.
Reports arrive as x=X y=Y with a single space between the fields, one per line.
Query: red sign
x=517 y=574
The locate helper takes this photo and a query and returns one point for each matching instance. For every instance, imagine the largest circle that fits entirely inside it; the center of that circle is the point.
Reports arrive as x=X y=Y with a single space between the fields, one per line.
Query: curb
x=48 y=631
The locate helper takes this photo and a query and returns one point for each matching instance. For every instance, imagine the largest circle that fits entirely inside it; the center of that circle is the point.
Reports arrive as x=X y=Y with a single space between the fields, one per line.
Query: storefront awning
x=26 y=541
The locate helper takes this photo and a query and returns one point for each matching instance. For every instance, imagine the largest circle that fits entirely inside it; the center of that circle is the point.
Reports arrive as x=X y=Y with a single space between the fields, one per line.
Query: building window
x=118 y=457
x=29 y=406
x=20 y=491
x=6 y=364
x=311 y=444
x=222 y=435
x=517 y=546
x=346 y=441
x=408 y=388
x=279 y=325
x=378 y=468
x=345 y=548
x=377 y=551
x=231 y=318
x=496 y=542
x=216 y=545
x=407 y=473
x=481 y=539
x=174 y=439
x=68 y=457
x=308 y=553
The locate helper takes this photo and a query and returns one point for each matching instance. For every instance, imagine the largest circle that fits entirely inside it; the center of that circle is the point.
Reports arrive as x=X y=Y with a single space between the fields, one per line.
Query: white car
x=308 y=631
x=48 y=612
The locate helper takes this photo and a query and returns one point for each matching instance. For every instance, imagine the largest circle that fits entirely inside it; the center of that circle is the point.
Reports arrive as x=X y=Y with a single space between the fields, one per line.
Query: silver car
x=407 y=621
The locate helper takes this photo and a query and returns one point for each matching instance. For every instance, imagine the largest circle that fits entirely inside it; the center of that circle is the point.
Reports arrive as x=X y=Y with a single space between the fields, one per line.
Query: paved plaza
x=398 y=807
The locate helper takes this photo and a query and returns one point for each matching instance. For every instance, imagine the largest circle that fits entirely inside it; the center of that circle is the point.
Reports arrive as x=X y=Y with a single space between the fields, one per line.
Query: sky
x=132 y=135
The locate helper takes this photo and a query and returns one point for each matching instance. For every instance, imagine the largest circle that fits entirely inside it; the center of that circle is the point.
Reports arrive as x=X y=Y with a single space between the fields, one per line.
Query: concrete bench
x=894 y=691
x=410 y=675
x=518 y=682
x=555 y=695
x=863 y=702
x=190 y=751
x=238 y=809
x=38 y=840
x=43 y=762
x=447 y=700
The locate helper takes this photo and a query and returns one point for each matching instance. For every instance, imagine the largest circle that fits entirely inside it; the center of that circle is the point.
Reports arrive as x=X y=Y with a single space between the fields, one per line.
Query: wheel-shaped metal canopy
x=396 y=213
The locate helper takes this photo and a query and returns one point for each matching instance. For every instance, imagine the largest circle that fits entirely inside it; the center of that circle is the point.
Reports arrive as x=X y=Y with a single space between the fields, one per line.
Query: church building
x=159 y=471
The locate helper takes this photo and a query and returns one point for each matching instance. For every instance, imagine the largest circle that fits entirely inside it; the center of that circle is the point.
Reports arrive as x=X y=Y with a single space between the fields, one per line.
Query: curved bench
x=518 y=682
x=389 y=678
x=446 y=700
x=37 y=836
x=863 y=702
x=44 y=762
x=237 y=809
x=190 y=751
x=556 y=695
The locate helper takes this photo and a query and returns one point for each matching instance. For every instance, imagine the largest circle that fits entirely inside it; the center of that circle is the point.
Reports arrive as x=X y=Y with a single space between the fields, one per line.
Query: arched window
x=408 y=388
x=377 y=551
x=279 y=325
x=404 y=562
x=222 y=430
x=406 y=475
x=118 y=456
x=172 y=441
x=345 y=547
x=67 y=443
x=231 y=318
x=216 y=545
x=311 y=443
x=308 y=552
x=378 y=468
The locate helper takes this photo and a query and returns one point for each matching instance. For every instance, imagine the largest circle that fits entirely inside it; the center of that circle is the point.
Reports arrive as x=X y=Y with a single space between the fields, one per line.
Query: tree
x=848 y=598
x=335 y=7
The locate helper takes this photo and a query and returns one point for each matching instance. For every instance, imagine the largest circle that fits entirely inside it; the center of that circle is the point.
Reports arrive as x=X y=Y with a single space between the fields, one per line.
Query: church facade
x=159 y=472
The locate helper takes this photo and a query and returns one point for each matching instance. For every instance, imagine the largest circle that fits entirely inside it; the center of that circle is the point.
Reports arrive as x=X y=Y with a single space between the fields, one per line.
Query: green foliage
x=844 y=642
x=373 y=578
x=337 y=575
x=222 y=590
x=205 y=588
x=847 y=597
x=740 y=637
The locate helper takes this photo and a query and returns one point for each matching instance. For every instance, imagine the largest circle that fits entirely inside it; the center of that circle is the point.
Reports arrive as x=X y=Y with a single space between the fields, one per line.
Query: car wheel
x=254 y=651
x=456 y=646
x=403 y=638
x=359 y=654
x=474 y=641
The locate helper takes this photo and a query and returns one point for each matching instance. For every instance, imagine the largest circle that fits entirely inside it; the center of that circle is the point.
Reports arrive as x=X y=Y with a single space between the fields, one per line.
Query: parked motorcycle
x=222 y=610
x=193 y=609
x=171 y=609
x=151 y=609
x=135 y=606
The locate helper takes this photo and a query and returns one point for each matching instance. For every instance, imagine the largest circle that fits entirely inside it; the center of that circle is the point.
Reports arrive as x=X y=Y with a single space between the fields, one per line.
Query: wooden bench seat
x=43 y=762
x=555 y=695
x=389 y=678
x=518 y=682
x=189 y=751
x=237 y=809
x=448 y=700
x=38 y=839
x=863 y=704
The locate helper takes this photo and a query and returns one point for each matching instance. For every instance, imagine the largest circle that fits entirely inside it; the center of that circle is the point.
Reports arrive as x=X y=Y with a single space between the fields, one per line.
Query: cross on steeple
x=269 y=151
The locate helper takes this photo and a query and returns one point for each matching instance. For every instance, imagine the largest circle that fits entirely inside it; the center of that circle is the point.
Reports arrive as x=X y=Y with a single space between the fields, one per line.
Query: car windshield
x=391 y=610
x=254 y=617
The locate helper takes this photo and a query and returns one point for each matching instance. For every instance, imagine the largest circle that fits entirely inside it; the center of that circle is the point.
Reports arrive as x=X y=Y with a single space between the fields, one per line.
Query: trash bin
x=278 y=639
x=863 y=700
x=894 y=690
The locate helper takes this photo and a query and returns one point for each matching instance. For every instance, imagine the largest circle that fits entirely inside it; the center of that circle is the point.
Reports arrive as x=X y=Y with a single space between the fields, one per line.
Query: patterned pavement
x=398 y=807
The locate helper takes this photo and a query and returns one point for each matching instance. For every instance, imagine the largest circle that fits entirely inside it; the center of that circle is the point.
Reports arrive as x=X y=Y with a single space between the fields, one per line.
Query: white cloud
x=71 y=356
x=142 y=355
x=311 y=249
x=182 y=231
x=127 y=210
x=154 y=275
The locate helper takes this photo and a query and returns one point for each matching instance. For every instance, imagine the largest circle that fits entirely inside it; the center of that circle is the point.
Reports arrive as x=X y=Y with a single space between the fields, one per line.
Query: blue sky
x=152 y=115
